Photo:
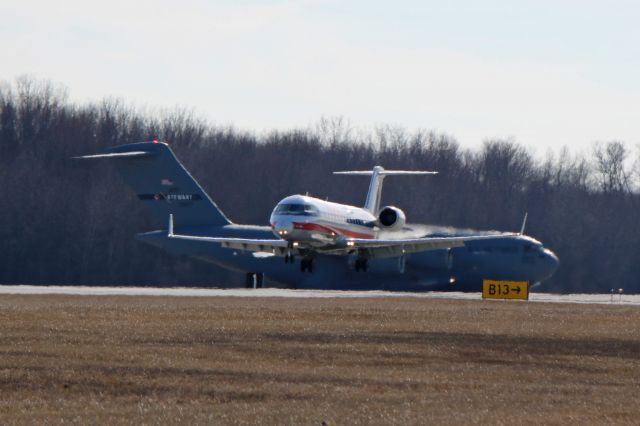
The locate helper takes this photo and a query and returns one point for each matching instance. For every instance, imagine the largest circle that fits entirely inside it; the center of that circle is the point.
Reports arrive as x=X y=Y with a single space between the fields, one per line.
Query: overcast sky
x=546 y=73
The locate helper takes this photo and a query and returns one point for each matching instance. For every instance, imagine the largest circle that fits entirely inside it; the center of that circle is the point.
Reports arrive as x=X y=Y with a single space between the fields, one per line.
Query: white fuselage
x=312 y=221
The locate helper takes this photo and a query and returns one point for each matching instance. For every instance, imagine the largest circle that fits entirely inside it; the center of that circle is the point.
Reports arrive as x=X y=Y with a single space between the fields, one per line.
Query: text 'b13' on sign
x=492 y=289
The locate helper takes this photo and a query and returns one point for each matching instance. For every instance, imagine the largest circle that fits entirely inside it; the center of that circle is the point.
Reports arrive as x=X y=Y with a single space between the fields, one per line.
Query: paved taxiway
x=623 y=299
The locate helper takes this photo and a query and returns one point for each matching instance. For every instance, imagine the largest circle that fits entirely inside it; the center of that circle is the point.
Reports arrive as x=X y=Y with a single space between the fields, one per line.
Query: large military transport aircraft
x=336 y=246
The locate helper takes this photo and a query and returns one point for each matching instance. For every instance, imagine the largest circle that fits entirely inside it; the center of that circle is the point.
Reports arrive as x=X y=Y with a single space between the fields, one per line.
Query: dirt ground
x=216 y=360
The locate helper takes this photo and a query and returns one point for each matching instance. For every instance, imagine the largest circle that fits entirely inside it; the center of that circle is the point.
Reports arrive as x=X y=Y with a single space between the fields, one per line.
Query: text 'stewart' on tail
x=163 y=184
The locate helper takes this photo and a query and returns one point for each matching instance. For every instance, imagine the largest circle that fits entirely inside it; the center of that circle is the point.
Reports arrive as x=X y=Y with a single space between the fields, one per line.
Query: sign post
x=493 y=289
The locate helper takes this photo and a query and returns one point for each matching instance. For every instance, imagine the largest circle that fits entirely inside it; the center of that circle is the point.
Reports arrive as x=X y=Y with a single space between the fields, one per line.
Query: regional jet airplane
x=338 y=246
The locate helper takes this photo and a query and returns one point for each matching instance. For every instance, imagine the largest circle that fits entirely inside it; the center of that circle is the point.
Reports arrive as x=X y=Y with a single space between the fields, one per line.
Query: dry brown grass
x=82 y=359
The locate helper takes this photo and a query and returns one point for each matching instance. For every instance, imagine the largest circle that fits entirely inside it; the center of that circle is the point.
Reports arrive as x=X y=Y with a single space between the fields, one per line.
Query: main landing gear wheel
x=306 y=264
x=254 y=280
x=361 y=265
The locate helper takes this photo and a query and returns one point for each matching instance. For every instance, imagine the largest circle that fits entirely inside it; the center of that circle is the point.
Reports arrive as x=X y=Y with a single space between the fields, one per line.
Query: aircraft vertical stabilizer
x=163 y=184
x=378 y=174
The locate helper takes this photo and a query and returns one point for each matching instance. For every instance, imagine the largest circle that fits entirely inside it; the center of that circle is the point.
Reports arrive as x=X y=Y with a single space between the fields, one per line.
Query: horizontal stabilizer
x=375 y=186
x=131 y=154
x=385 y=172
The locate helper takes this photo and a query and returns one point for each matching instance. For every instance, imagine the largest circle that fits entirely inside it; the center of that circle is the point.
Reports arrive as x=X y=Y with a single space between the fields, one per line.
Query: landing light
x=295 y=244
x=452 y=280
x=350 y=243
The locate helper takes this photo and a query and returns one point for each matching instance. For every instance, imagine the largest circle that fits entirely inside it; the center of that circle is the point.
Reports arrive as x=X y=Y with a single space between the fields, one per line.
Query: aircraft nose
x=281 y=227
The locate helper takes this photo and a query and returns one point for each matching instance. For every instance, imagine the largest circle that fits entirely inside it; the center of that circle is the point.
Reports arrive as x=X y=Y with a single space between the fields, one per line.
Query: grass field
x=84 y=359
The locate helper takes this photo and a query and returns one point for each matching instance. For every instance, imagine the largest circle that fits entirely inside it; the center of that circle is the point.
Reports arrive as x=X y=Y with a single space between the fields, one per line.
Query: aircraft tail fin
x=375 y=186
x=162 y=182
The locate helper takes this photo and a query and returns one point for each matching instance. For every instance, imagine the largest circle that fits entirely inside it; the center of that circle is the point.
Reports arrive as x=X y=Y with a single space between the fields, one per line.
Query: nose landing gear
x=289 y=257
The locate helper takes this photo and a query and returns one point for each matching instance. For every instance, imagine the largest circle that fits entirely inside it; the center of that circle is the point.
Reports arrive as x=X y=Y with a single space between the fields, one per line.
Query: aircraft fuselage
x=313 y=221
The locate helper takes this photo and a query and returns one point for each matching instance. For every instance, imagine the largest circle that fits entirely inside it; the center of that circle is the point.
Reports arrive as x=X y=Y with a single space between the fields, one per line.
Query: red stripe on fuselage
x=328 y=230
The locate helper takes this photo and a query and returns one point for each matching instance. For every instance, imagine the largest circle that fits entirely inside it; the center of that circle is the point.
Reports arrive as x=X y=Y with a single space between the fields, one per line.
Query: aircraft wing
x=373 y=248
x=246 y=244
x=390 y=248
x=275 y=246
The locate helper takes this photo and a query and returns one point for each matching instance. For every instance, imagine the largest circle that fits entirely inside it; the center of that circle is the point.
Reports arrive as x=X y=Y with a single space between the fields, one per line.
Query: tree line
x=64 y=222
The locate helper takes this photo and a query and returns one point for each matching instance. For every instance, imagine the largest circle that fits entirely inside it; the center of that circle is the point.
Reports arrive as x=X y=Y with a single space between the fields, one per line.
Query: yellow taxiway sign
x=492 y=289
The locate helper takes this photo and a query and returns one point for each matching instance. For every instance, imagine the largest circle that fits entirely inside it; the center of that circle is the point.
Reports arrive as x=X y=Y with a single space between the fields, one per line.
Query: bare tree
x=64 y=223
x=610 y=159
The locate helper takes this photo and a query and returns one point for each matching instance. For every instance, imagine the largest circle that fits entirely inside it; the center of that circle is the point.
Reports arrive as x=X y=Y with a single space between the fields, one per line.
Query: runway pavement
x=619 y=299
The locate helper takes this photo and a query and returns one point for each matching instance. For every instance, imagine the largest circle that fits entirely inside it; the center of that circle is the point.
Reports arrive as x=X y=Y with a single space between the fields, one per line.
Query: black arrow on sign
x=516 y=289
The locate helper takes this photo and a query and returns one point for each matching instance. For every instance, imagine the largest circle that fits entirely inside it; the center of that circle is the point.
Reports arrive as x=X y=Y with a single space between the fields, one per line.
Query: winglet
x=524 y=223
x=170 y=233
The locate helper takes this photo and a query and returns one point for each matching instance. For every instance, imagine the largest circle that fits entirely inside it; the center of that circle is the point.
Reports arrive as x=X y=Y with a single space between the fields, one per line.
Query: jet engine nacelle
x=391 y=218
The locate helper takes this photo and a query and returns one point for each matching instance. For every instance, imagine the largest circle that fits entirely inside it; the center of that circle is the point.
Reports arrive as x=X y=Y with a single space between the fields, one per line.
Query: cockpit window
x=297 y=209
